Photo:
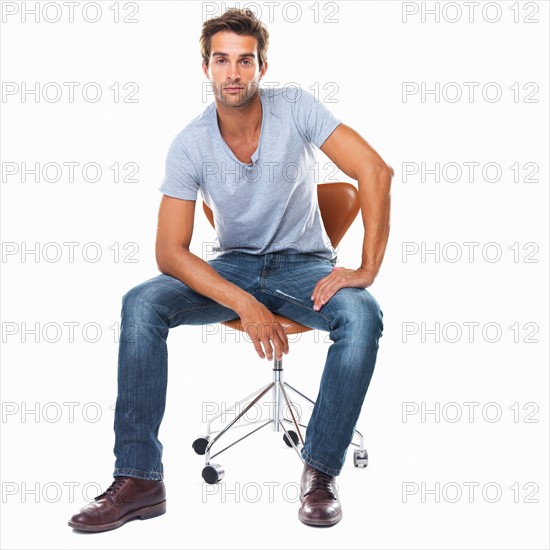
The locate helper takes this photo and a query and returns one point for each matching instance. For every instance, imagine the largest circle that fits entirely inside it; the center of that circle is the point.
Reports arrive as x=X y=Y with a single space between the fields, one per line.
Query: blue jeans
x=283 y=282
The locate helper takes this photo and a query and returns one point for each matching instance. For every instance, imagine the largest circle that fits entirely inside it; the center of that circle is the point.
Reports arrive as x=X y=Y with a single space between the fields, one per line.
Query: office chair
x=339 y=205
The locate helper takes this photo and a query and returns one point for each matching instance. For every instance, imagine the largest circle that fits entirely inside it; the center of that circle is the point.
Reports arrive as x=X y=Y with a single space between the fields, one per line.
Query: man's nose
x=233 y=73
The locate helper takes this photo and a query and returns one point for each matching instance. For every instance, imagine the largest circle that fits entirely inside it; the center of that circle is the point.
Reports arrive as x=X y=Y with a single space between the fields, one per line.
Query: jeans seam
x=315 y=463
x=141 y=472
x=301 y=304
x=198 y=306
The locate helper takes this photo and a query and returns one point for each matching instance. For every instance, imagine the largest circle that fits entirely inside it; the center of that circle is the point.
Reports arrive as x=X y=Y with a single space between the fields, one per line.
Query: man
x=249 y=155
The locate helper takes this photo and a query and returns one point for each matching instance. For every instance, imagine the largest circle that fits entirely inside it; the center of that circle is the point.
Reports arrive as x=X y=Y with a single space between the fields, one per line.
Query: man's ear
x=263 y=69
x=205 y=69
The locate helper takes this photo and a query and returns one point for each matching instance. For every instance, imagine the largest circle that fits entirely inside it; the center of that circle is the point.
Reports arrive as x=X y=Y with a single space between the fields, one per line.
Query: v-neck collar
x=254 y=157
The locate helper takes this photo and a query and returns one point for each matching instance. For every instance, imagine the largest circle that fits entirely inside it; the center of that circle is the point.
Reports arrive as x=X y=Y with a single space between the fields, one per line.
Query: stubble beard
x=245 y=96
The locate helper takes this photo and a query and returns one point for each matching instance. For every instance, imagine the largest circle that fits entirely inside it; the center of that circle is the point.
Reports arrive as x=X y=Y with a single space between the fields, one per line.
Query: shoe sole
x=320 y=522
x=143 y=513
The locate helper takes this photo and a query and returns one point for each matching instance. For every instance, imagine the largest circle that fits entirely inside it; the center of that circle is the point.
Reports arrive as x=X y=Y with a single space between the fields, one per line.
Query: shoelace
x=321 y=481
x=115 y=486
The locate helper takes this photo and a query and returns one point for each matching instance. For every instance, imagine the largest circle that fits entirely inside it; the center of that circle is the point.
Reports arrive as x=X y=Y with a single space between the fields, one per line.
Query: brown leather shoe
x=125 y=499
x=320 y=504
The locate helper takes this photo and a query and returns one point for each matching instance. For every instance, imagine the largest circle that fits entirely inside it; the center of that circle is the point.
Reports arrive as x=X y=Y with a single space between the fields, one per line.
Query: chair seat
x=289 y=326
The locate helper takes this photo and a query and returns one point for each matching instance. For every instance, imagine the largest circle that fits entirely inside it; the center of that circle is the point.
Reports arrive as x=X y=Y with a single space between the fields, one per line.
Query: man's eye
x=222 y=60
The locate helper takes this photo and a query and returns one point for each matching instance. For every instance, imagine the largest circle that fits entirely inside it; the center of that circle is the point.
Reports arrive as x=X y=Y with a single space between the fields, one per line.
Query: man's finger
x=326 y=295
x=284 y=339
x=281 y=344
x=258 y=348
x=320 y=282
x=278 y=345
x=320 y=296
x=282 y=334
x=267 y=347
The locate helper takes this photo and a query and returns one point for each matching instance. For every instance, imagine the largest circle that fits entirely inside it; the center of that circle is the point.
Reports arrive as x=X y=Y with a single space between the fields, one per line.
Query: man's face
x=233 y=68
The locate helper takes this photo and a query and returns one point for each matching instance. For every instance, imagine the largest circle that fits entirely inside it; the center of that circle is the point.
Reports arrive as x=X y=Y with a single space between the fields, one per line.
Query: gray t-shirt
x=271 y=204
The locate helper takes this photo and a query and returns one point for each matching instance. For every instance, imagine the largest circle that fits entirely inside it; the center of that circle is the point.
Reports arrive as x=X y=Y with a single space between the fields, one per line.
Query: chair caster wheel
x=360 y=458
x=213 y=473
x=200 y=444
x=294 y=437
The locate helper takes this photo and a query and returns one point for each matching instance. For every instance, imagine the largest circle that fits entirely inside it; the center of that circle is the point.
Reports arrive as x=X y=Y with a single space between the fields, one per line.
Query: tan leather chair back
x=338 y=203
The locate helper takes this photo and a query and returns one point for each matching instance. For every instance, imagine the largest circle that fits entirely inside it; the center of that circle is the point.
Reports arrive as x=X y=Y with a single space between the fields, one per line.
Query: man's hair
x=239 y=21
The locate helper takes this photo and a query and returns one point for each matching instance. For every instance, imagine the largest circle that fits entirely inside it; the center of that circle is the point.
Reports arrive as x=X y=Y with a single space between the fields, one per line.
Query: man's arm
x=358 y=160
x=174 y=232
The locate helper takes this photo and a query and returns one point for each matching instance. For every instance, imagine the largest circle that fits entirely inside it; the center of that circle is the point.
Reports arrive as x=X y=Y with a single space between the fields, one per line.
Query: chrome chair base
x=213 y=472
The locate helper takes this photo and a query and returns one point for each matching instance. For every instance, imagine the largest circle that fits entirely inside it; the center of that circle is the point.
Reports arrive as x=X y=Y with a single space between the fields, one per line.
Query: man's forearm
x=204 y=279
x=375 y=198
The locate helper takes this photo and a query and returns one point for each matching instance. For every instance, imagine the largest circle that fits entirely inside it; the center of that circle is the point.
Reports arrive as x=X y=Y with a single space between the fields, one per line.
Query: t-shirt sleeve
x=180 y=176
x=313 y=118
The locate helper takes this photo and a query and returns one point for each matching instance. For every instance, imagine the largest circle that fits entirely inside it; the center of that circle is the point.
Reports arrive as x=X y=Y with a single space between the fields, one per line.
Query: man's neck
x=240 y=122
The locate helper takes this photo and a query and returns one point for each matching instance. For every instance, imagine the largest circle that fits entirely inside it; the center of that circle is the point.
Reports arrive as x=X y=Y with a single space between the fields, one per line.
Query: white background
x=368 y=52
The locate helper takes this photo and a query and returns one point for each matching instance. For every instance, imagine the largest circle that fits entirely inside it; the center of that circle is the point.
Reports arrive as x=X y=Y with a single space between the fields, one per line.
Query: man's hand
x=264 y=330
x=340 y=277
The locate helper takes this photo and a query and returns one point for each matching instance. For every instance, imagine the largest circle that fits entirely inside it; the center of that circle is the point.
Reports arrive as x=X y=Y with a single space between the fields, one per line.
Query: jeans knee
x=139 y=302
x=132 y=301
x=361 y=313
x=374 y=312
